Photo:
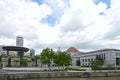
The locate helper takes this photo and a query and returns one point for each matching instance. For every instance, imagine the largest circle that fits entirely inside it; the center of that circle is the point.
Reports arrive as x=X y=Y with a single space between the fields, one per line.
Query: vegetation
x=62 y=59
x=97 y=63
x=47 y=56
x=75 y=69
x=16 y=62
x=35 y=59
x=0 y=61
x=23 y=62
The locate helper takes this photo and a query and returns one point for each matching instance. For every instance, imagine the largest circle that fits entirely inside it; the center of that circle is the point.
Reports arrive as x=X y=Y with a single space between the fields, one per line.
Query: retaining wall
x=27 y=75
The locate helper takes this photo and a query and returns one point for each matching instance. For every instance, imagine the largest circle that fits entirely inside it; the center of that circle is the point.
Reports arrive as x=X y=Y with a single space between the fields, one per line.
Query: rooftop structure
x=20 y=50
x=73 y=50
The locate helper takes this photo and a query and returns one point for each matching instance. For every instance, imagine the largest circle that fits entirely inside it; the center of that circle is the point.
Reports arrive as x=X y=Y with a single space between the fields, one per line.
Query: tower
x=32 y=52
x=19 y=41
x=58 y=50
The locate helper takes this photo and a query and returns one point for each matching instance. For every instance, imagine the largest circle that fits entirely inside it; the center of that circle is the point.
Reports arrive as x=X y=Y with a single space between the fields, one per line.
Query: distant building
x=19 y=41
x=73 y=51
x=110 y=57
x=1 y=50
x=58 y=50
x=32 y=52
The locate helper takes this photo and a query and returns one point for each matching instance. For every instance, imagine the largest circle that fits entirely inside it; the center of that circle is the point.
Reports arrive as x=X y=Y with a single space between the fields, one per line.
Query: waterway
x=93 y=78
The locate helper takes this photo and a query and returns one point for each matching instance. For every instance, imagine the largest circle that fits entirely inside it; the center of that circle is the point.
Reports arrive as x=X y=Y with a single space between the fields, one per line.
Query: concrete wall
x=28 y=75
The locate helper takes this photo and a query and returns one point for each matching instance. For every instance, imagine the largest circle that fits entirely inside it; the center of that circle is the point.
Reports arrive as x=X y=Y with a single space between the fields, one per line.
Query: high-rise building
x=32 y=52
x=19 y=41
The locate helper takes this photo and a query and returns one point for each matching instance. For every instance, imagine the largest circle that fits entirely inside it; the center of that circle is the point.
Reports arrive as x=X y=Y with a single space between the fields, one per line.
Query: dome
x=73 y=49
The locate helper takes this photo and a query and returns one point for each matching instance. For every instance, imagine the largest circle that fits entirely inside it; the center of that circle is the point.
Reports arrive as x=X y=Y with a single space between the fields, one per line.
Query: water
x=95 y=78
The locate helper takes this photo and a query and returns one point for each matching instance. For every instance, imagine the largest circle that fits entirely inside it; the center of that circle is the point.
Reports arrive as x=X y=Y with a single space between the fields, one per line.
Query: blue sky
x=52 y=19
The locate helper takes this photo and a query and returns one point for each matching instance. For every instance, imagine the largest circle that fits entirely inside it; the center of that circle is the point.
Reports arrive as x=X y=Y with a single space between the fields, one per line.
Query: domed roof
x=73 y=49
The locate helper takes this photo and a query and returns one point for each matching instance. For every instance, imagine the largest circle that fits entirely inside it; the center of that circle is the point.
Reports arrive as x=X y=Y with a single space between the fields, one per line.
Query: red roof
x=73 y=49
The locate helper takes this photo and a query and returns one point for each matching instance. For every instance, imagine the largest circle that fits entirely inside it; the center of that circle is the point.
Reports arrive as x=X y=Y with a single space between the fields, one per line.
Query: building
x=19 y=41
x=59 y=50
x=74 y=52
x=15 y=53
x=32 y=52
x=110 y=57
x=1 y=50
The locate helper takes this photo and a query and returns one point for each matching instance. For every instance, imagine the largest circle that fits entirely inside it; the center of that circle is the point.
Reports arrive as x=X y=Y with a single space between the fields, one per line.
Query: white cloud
x=80 y=25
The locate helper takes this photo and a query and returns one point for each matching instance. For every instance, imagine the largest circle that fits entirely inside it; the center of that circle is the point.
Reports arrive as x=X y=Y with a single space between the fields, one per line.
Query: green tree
x=1 y=61
x=97 y=63
x=47 y=56
x=62 y=59
x=16 y=62
x=36 y=59
x=0 y=58
x=23 y=62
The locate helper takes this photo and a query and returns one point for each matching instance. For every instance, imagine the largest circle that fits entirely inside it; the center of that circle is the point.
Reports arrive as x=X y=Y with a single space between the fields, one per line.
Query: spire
x=58 y=50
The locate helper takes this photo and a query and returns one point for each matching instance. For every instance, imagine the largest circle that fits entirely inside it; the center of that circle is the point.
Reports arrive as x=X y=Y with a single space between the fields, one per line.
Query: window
x=83 y=60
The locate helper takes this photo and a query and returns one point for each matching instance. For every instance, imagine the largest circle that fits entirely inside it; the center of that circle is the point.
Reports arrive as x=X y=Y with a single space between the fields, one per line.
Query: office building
x=19 y=41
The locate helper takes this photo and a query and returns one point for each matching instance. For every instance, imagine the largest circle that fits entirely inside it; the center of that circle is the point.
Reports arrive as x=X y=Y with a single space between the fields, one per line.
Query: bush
x=75 y=69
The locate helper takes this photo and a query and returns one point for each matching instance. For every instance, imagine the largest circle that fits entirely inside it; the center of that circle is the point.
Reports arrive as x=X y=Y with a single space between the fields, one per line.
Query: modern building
x=110 y=57
x=19 y=41
x=32 y=52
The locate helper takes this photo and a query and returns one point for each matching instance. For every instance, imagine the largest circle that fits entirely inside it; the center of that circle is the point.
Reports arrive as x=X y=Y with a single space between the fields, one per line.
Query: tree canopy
x=97 y=63
x=46 y=56
x=62 y=59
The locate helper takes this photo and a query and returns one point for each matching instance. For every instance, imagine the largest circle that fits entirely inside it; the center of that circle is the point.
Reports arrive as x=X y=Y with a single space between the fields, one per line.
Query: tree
x=47 y=56
x=23 y=62
x=16 y=62
x=97 y=63
x=62 y=59
x=1 y=61
x=35 y=59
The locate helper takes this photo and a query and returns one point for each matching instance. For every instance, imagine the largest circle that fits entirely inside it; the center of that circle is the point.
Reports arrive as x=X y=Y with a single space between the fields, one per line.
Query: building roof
x=73 y=49
x=15 y=48
x=103 y=50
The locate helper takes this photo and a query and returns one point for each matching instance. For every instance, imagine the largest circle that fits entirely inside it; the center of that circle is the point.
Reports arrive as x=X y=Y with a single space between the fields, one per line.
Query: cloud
x=78 y=23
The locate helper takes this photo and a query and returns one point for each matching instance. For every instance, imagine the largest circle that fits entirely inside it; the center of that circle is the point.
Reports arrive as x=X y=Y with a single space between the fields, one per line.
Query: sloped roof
x=103 y=50
x=73 y=49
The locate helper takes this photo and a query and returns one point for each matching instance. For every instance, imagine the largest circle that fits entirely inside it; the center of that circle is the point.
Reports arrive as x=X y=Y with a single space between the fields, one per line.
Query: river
x=72 y=78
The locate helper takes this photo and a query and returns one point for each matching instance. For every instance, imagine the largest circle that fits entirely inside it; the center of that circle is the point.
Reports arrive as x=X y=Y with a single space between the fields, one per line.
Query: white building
x=74 y=52
x=110 y=57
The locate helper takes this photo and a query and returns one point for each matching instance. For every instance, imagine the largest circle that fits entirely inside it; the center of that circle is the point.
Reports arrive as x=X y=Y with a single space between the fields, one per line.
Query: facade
x=74 y=52
x=110 y=57
x=32 y=52
x=19 y=41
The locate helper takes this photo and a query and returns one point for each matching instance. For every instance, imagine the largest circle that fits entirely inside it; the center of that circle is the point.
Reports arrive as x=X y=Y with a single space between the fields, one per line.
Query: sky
x=84 y=24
